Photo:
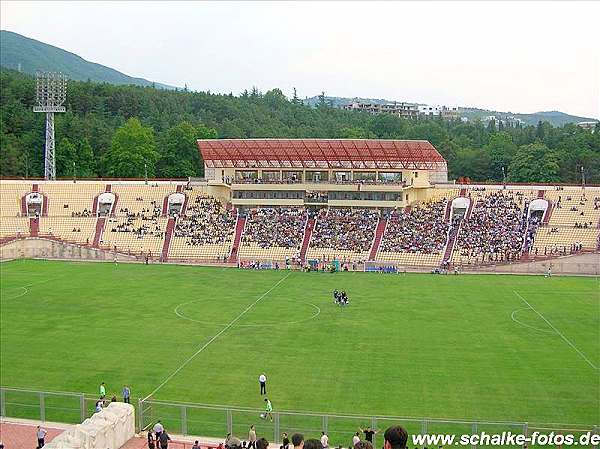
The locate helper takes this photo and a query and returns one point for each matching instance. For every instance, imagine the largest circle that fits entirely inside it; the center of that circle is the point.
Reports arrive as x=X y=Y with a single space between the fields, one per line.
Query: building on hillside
x=445 y=112
x=323 y=172
x=401 y=109
x=591 y=125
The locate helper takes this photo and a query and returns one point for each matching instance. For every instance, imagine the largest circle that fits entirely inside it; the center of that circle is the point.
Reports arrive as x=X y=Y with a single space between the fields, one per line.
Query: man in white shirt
x=262 y=380
x=324 y=440
x=41 y=436
x=355 y=439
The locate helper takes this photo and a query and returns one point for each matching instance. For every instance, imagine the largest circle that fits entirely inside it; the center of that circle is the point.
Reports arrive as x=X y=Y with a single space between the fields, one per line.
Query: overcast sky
x=508 y=56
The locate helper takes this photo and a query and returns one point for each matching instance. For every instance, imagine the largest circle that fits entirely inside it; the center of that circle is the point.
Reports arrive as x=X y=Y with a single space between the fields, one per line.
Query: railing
x=217 y=420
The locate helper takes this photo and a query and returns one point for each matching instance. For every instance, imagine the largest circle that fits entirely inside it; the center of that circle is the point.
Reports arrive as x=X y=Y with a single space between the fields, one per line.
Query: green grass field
x=409 y=345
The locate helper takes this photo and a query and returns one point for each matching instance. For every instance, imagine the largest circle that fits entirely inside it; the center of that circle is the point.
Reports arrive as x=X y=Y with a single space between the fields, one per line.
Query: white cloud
x=519 y=56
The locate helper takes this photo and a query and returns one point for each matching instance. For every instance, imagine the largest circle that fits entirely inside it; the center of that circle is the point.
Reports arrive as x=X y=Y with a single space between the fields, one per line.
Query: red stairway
x=34 y=226
x=167 y=242
x=547 y=214
x=239 y=230
x=452 y=236
x=98 y=234
x=381 y=224
x=308 y=230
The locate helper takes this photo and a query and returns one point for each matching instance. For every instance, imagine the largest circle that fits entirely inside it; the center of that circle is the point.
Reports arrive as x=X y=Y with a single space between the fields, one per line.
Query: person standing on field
x=268 y=409
x=102 y=391
x=41 y=436
x=262 y=380
x=126 y=395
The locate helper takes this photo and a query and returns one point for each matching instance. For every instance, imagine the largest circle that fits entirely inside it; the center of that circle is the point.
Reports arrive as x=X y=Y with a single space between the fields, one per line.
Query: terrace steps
x=239 y=231
x=308 y=230
x=167 y=241
x=379 y=230
x=98 y=232
x=34 y=226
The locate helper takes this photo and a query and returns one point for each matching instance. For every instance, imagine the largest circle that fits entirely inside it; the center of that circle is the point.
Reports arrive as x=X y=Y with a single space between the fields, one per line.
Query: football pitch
x=474 y=347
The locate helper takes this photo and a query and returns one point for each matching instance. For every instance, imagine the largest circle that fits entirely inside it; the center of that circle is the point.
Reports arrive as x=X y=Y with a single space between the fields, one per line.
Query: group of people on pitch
x=340 y=298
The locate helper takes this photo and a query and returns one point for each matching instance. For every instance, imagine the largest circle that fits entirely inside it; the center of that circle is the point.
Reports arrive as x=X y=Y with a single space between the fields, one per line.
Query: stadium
x=472 y=307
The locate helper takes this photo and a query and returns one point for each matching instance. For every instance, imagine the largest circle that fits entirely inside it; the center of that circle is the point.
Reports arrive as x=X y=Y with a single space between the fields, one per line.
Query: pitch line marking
x=217 y=335
x=512 y=316
x=312 y=317
x=558 y=332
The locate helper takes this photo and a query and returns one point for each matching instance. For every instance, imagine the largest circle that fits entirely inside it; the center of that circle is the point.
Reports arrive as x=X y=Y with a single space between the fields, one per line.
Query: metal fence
x=216 y=421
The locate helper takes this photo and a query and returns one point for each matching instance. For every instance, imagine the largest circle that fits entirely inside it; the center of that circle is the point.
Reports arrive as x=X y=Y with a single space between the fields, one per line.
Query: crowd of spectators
x=141 y=223
x=205 y=222
x=275 y=227
x=495 y=227
x=345 y=229
x=421 y=229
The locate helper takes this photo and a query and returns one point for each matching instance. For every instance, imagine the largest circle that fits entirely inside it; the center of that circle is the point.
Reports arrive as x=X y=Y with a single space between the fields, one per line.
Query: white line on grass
x=558 y=332
x=512 y=315
x=207 y=344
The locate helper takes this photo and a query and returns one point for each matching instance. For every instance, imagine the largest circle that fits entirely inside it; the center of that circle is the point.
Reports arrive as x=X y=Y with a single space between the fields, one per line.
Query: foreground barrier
x=110 y=428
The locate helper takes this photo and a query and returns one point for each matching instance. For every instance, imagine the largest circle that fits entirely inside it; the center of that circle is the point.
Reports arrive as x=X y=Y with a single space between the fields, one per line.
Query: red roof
x=321 y=153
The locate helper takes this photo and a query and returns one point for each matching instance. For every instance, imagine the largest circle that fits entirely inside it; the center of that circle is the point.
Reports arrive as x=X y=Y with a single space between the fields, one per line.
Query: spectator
x=41 y=436
x=324 y=440
x=395 y=438
x=252 y=437
x=158 y=429
x=232 y=442
x=285 y=441
x=196 y=445
x=298 y=441
x=262 y=443
x=164 y=439
x=355 y=439
x=151 y=444
x=275 y=227
x=363 y=445
x=312 y=443
x=369 y=433
x=102 y=390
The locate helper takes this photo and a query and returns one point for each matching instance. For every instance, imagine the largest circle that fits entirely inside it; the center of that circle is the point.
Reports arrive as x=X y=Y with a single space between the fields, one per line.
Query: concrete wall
x=50 y=249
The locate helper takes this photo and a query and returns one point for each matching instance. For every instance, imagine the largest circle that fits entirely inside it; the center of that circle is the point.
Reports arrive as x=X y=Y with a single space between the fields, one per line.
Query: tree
x=179 y=151
x=66 y=155
x=86 y=161
x=534 y=163
x=501 y=150
x=132 y=150
x=322 y=100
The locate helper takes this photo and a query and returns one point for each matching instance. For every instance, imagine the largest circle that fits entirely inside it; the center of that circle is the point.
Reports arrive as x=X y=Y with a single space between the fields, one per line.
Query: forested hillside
x=113 y=131
x=29 y=55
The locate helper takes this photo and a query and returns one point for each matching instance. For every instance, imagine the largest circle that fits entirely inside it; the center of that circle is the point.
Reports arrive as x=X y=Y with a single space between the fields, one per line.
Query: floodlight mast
x=50 y=95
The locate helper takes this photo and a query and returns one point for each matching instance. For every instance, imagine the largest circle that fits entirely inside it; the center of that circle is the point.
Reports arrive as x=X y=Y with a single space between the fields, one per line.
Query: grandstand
x=310 y=201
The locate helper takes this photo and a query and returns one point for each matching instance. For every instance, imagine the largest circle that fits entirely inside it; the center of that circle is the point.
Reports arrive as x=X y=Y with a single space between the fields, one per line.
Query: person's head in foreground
x=298 y=440
x=262 y=443
x=395 y=437
x=313 y=444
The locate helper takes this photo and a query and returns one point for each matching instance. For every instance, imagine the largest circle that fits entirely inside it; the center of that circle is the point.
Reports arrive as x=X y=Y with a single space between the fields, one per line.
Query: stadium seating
x=13 y=226
x=495 y=229
x=343 y=234
x=204 y=232
x=273 y=233
x=10 y=197
x=72 y=229
x=416 y=236
x=69 y=199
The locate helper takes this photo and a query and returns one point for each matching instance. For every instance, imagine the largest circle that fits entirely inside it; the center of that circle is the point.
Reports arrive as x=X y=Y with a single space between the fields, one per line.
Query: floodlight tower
x=50 y=94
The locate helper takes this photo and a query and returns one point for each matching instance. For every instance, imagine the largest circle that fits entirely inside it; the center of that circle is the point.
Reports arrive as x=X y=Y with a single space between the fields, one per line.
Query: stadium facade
x=358 y=203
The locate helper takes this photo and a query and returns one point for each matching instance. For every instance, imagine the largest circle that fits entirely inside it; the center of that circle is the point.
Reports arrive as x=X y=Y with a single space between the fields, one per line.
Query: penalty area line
x=217 y=335
x=558 y=332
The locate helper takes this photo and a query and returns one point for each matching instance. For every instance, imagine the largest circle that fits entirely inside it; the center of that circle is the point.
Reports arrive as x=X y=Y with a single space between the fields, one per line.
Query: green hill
x=28 y=55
